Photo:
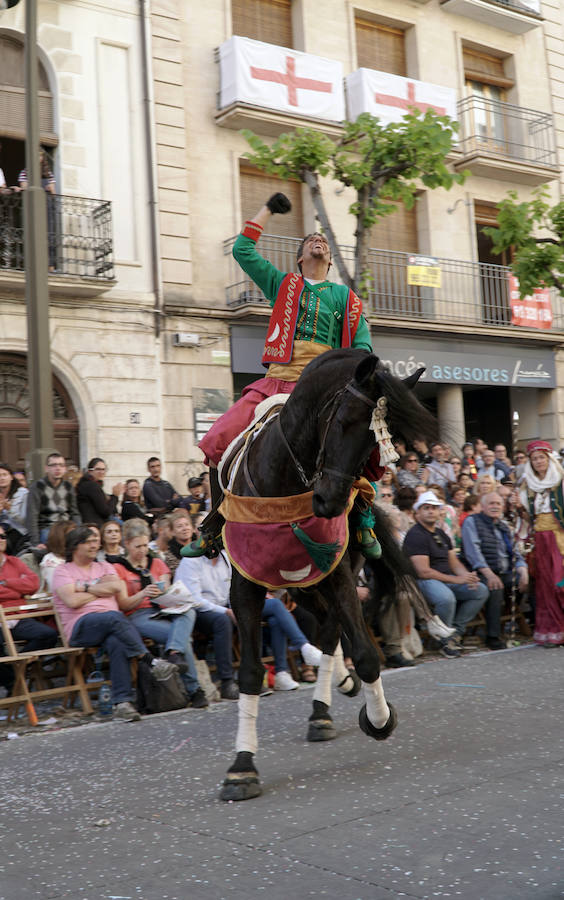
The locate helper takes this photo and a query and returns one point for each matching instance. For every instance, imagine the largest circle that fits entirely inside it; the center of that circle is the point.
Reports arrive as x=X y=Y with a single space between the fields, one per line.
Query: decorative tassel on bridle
x=379 y=426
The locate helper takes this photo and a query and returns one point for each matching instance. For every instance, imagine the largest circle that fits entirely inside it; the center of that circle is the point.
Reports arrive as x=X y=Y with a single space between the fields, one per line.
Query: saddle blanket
x=269 y=553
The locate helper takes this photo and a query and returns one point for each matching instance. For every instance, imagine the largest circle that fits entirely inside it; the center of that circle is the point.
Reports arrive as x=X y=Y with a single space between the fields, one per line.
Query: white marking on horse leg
x=342 y=675
x=377 y=709
x=322 y=689
x=247 y=729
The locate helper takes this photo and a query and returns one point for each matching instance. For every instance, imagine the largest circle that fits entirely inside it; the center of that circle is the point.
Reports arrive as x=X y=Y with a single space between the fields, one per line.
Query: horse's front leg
x=247 y=600
x=377 y=718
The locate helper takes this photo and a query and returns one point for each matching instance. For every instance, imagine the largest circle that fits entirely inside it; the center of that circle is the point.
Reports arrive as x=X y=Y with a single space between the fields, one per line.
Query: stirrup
x=368 y=543
x=207 y=544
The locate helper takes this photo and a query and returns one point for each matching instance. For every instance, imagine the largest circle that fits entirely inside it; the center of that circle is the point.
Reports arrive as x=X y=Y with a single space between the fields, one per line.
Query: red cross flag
x=390 y=97
x=280 y=79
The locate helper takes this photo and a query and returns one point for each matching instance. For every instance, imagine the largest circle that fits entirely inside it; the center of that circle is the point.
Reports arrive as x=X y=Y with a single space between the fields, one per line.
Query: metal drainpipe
x=151 y=182
x=150 y=157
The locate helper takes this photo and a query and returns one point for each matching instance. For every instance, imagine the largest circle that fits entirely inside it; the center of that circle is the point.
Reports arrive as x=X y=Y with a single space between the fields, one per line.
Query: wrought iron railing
x=79 y=235
x=506 y=131
x=469 y=293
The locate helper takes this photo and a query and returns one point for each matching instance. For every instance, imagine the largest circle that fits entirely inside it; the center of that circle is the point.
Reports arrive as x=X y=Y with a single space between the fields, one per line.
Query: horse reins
x=319 y=468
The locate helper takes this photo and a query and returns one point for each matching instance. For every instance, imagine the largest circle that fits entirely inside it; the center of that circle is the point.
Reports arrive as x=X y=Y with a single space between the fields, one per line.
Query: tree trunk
x=362 y=235
x=312 y=181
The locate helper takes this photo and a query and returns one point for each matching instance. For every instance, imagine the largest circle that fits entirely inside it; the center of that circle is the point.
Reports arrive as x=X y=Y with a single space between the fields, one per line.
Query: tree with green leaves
x=537 y=260
x=383 y=164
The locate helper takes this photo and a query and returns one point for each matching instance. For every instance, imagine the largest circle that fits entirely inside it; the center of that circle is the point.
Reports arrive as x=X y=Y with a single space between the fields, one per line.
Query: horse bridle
x=320 y=469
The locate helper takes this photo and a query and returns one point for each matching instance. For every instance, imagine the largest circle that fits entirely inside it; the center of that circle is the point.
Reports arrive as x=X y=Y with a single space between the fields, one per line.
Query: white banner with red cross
x=280 y=79
x=390 y=97
x=532 y=312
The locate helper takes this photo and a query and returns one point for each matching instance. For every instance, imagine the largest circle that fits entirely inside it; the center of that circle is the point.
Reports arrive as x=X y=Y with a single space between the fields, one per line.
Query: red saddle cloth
x=269 y=553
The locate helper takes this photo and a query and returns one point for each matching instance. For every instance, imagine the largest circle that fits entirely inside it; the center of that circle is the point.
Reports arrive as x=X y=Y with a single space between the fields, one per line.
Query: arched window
x=12 y=108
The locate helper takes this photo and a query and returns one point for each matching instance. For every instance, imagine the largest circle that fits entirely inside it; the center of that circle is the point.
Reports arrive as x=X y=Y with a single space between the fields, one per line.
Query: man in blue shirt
x=490 y=551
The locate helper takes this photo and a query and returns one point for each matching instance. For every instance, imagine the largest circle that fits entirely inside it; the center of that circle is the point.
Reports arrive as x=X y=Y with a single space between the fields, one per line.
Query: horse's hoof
x=241 y=787
x=379 y=734
x=321 y=730
x=344 y=686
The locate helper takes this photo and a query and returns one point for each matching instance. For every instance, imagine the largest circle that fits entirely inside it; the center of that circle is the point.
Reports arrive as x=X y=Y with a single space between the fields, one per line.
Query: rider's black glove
x=279 y=203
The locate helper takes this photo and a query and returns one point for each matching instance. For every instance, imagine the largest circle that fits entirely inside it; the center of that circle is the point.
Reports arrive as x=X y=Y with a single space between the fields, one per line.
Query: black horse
x=324 y=440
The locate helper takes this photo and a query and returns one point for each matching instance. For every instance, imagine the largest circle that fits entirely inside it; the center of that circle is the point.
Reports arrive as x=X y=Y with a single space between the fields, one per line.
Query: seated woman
x=111 y=548
x=284 y=630
x=146 y=577
x=133 y=504
x=18 y=581
x=55 y=555
x=13 y=508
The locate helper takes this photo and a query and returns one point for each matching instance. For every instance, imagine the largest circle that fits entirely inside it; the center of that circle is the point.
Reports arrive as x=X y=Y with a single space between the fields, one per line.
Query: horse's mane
x=408 y=418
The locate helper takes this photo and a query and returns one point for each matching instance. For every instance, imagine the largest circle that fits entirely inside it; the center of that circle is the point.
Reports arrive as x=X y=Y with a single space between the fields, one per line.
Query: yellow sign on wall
x=423 y=271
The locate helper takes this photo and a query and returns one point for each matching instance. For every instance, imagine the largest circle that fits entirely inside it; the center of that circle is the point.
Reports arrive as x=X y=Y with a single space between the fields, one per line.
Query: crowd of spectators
x=467 y=522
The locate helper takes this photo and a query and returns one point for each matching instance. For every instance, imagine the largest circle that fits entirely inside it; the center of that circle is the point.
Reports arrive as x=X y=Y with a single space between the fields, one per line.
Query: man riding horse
x=311 y=315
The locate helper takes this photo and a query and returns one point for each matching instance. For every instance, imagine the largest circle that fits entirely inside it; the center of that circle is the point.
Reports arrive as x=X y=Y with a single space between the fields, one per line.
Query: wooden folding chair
x=27 y=690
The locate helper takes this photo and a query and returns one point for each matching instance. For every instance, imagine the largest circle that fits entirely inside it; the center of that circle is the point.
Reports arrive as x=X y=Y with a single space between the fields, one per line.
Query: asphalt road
x=465 y=800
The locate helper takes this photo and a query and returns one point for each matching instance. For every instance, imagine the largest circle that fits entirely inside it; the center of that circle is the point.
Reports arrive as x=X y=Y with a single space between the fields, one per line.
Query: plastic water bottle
x=105 y=705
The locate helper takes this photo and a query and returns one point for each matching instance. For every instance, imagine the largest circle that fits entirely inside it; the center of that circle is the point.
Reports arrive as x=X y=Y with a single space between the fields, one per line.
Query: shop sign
x=423 y=271
x=462 y=362
x=208 y=405
x=467 y=363
x=532 y=312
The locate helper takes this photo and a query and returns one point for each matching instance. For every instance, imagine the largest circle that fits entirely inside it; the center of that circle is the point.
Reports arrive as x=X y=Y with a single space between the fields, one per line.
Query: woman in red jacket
x=16 y=580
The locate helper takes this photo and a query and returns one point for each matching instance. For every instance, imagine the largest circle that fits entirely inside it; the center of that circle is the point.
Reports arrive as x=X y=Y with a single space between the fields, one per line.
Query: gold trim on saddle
x=265 y=510
x=279 y=510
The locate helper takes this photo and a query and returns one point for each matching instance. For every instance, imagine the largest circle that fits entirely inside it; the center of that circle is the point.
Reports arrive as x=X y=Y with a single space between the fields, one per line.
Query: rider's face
x=315 y=249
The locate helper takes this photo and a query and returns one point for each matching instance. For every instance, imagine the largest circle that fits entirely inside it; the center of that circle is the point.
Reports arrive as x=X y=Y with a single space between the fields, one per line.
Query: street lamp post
x=36 y=266
x=35 y=259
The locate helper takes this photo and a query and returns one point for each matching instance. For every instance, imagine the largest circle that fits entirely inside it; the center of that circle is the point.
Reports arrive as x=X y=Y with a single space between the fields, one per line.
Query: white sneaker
x=437 y=628
x=311 y=655
x=126 y=711
x=283 y=681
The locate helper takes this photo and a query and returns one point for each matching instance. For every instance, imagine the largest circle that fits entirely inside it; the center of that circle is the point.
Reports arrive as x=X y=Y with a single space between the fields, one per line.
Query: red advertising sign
x=532 y=312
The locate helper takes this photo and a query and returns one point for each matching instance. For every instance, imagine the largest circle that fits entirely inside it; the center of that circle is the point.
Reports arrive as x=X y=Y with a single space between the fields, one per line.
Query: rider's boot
x=367 y=541
x=209 y=542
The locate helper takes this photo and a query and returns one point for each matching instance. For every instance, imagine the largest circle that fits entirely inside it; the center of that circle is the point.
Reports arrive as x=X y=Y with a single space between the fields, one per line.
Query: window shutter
x=380 y=47
x=398 y=231
x=256 y=187
x=263 y=20
x=12 y=95
x=485 y=213
x=485 y=68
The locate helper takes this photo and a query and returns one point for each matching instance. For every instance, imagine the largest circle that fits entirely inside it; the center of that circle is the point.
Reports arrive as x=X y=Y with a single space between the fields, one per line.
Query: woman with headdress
x=541 y=495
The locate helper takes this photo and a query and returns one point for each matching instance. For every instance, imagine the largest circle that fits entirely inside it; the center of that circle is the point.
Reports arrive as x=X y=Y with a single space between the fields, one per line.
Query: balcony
x=79 y=240
x=474 y=295
x=504 y=141
x=516 y=16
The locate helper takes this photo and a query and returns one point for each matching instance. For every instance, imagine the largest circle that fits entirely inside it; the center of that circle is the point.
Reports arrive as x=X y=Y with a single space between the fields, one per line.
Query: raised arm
x=266 y=276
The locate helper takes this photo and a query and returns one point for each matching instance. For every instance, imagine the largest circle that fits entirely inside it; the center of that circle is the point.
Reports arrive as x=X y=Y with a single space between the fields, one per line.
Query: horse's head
x=346 y=437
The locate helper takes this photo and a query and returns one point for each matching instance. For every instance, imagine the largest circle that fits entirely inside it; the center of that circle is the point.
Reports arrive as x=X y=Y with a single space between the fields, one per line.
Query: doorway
x=15 y=441
x=494 y=282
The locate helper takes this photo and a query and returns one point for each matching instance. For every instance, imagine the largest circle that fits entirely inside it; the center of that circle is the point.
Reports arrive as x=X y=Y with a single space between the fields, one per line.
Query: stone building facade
x=152 y=340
